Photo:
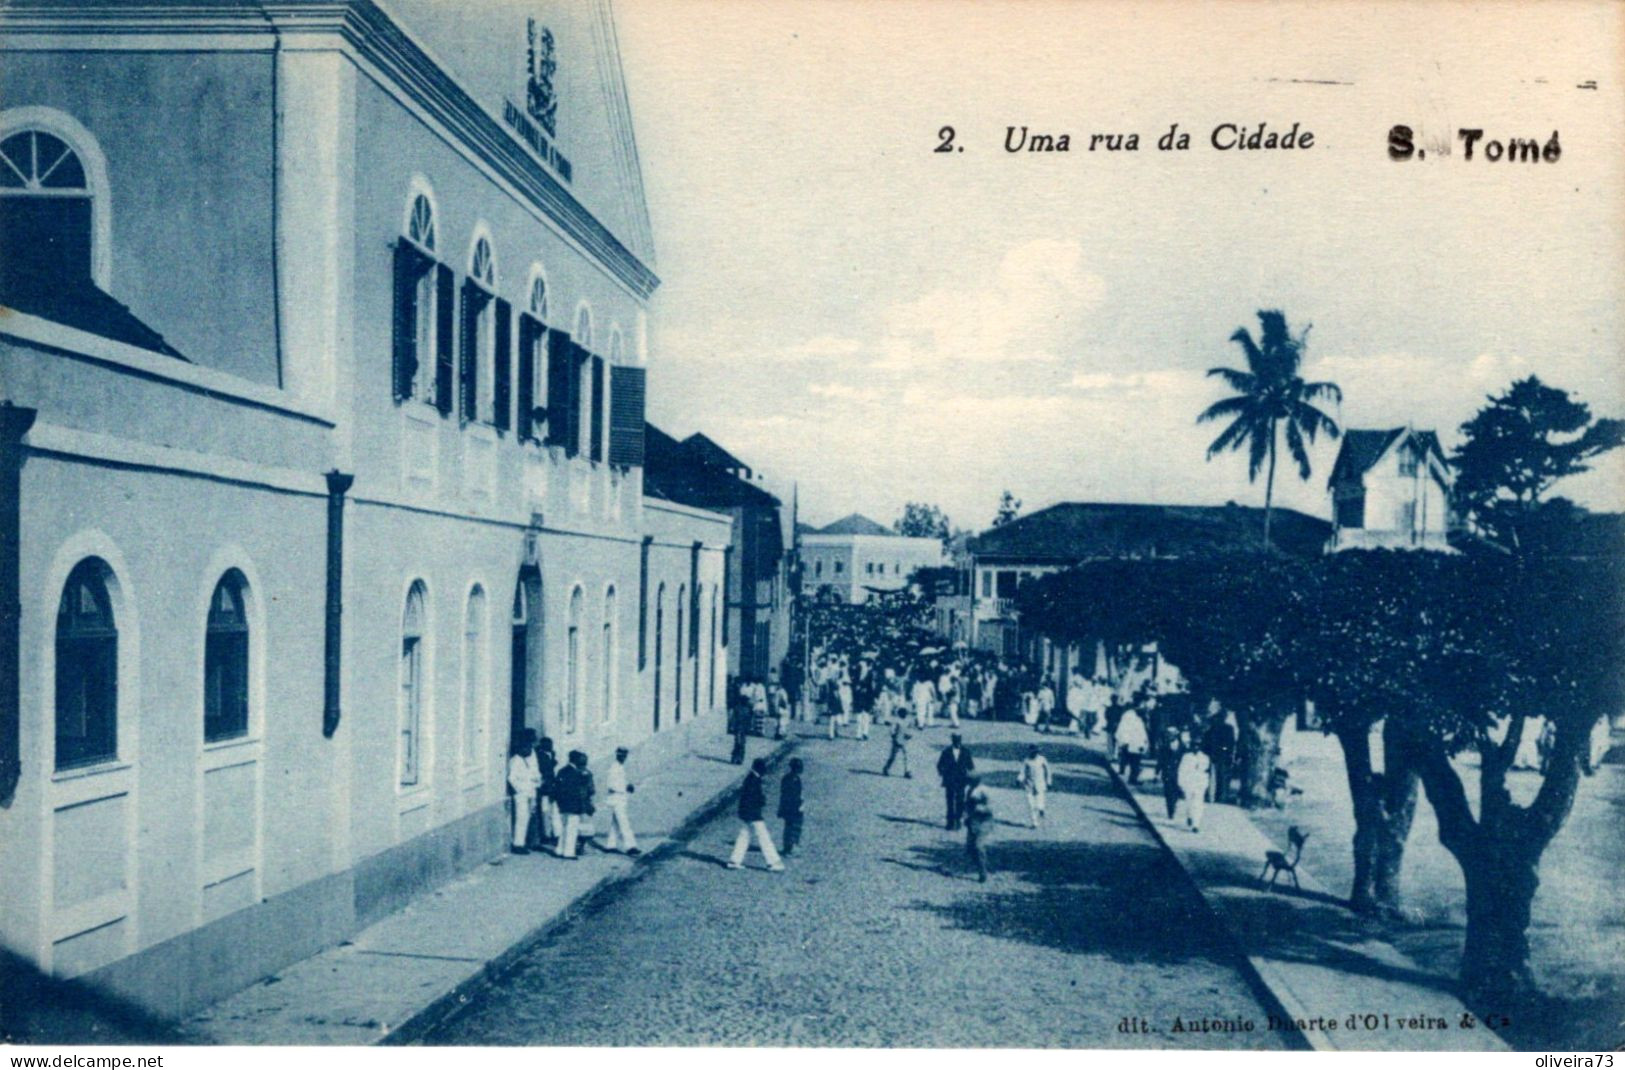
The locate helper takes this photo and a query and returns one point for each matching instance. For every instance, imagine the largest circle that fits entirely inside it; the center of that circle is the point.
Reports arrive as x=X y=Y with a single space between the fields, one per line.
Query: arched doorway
x=525 y=708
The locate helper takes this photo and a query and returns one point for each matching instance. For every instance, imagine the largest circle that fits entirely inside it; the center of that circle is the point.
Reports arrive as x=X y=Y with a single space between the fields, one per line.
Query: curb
x=1273 y=996
x=447 y=1006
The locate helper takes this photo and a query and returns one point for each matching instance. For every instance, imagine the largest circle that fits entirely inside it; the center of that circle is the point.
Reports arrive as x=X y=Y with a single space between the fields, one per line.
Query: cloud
x=822 y=347
x=1028 y=311
x=843 y=392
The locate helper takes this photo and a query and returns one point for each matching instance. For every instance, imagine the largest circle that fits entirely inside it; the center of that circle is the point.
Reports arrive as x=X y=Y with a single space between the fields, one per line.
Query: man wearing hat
x=617 y=790
x=954 y=768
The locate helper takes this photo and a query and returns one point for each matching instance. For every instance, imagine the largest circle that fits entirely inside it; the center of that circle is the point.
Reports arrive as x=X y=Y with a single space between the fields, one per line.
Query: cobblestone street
x=877 y=934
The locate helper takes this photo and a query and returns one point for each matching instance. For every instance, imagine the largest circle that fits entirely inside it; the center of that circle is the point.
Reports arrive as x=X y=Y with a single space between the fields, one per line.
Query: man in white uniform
x=1035 y=780
x=617 y=793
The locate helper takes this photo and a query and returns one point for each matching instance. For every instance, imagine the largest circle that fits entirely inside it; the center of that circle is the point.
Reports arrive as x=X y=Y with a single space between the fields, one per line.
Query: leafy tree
x=923 y=521
x=1270 y=395
x=1516 y=448
x=1009 y=509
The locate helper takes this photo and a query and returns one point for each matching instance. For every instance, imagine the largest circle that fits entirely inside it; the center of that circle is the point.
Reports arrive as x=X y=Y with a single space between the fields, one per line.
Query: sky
x=876 y=322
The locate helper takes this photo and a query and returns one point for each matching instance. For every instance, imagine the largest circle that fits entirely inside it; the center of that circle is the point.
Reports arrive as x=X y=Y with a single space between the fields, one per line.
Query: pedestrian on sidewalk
x=978 y=823
x=617 y=794
x=1131 y=745
x=1219 y=743
x=924 y=696
x=790 y=806
x=752 y=804
x=523 y=781
x=739 y=725
x=1193 y=774
x=1173 y=748
x=574 y=789
x=549 y=825
x=899 y=748
x=1035 y=781
x=781 y=710
x=954 y=767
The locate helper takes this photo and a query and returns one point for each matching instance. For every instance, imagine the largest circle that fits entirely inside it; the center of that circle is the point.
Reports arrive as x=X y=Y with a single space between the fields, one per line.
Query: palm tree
x=1270 y=393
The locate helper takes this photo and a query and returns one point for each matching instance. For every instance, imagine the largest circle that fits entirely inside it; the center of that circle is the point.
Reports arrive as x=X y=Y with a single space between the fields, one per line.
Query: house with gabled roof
x=1390 y=490
x=855 y=559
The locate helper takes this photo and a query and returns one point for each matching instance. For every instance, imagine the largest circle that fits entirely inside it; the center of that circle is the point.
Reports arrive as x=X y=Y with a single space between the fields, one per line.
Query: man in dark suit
x=1220 y=745
x=954 y=769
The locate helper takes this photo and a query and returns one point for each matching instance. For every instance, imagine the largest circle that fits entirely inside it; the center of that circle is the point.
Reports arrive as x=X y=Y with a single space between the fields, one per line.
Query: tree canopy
x=923 y=520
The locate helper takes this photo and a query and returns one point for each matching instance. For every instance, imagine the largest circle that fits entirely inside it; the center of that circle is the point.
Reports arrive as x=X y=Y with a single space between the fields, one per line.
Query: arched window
x=660 y=647
x=474 y=689
x=583 y=334
x=573 y=666
x=610 y=656
x=479 y=348
x=677 y=670
x=711 y=684
x=420 y=222
x=538 y=296
x=414 y=625
x=225 y=661
x=418 y=299
x=46 y=225
x=86 y=669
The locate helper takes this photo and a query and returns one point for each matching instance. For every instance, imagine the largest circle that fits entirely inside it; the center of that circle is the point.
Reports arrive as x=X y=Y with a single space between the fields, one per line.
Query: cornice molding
x=365 y=30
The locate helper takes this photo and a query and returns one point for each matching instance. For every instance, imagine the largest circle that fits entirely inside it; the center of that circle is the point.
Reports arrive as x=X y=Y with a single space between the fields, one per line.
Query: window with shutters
x=413 y=685
x=225 y=662
x=417 y=303
x=582 y=396
x=86 y=669
x=561 y=380
x=626 y=416
x=478 y=351
x=531 y=375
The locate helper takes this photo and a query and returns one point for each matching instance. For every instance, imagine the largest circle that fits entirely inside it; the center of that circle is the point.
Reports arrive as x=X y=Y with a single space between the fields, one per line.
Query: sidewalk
x=1313 y=957
x=407 y=972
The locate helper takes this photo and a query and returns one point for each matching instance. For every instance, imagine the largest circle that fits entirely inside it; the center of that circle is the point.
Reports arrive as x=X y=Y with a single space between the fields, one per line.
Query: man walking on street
x=978 y=822
x=1035 y=781
x=617 y=792
x=899 y=748
x=1219 y=743
x=752 y=804
x=523 y=781
x=790 y=806
x=954 y=768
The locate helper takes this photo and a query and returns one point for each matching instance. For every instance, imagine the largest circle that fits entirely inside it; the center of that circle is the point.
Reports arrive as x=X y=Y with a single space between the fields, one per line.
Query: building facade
x=759 y=606
x=1390 y=490
x=321 y=421
x=855 y=559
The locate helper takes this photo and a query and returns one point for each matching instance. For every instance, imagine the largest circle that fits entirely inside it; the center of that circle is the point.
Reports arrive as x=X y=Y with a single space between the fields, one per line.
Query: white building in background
x=855 y=559
x=321 y=444
x=1390 y=490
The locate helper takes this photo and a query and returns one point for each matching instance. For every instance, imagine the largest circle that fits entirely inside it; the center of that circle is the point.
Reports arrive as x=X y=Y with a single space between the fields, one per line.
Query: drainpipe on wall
x=338 y=484
x=14 y=424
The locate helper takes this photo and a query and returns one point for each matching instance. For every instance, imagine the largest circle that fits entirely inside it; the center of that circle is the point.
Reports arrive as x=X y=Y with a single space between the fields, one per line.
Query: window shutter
x=596 y=425
x=502 y=374
x=444 y=337
x=626 y=391
x=529 y=331
x=694 y=601
x=574 y=402
x=474 y=302
x=407 y=270
x=558 y=388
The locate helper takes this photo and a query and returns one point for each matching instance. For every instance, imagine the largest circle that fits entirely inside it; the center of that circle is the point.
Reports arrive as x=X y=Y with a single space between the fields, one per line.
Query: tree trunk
x=1399 y=794
x=1258 y=751
x=1363 y=794
x=1501 y=887
x=1269 y=490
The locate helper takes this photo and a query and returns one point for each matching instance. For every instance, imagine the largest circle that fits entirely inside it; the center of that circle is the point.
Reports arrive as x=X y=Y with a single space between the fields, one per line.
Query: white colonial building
x=855 y=559
x=1390 y=490
x=322 y=364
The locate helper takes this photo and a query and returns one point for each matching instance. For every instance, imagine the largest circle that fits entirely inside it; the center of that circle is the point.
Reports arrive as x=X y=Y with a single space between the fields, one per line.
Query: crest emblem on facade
x=540 y=99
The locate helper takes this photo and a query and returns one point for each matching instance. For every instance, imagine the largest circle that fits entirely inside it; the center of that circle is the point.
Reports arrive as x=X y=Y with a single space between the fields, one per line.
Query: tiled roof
x=672 y=471
x=1362 y=448
x=855 y=524
x=1077 y=531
